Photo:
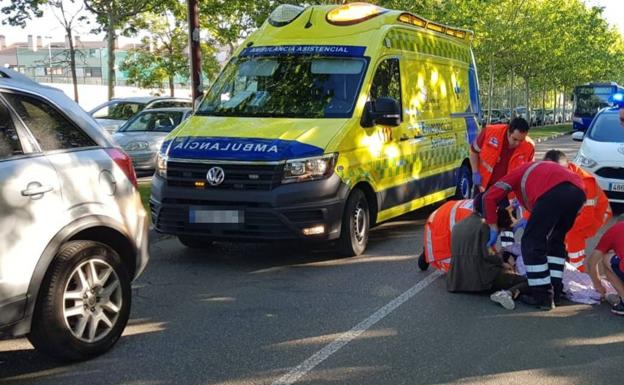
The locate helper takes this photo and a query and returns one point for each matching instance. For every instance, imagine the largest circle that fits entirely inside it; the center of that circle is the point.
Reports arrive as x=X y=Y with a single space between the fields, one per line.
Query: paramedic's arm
x=592 y=269
x=475 y=150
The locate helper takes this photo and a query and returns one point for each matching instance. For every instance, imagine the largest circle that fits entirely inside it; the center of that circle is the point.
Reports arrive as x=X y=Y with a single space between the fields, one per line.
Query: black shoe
x=542 y=304
x=422 y=263
x=618 y=309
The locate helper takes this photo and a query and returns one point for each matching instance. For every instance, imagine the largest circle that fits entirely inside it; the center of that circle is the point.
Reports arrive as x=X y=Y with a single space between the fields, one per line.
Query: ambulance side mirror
x=383 y=111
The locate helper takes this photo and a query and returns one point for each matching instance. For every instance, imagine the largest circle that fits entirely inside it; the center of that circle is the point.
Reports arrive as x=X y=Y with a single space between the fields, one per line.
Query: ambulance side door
x=391 y=166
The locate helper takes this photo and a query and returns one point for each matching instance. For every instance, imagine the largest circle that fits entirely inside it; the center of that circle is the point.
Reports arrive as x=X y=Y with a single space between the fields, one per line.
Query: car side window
x=51 y=129
x=387 y=81
x=9 y=140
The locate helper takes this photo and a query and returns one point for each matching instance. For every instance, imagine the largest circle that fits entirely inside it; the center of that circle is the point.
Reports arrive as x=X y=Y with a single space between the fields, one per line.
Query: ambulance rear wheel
x=464 y=183
x=355 y=225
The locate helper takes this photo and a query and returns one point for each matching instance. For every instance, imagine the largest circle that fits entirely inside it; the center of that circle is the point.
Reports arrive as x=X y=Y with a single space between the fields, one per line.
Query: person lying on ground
x=476 y=267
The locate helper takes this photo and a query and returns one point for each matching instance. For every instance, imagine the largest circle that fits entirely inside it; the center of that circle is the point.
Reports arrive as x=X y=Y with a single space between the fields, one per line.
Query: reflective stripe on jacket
x=437 y=235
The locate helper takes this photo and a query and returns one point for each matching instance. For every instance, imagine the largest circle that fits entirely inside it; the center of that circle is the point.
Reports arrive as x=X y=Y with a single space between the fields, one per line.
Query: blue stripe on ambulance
x=238 y=149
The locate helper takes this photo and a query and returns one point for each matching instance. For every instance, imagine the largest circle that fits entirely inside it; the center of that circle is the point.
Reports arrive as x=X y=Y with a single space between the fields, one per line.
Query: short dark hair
x=519 y=124
x=555 y=155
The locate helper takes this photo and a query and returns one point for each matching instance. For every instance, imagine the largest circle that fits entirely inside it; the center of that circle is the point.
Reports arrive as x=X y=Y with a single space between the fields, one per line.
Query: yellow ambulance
x=326 y=121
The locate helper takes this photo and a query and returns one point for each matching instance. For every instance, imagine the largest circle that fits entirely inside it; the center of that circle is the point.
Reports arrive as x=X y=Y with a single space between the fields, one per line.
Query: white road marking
x=306 y=366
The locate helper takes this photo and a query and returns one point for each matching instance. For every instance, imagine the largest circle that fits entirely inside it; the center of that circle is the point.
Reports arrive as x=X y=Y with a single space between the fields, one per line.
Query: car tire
x=194 y=242
x=79 y=314
x=423 y=265
x=463 y=189
x=355 y=225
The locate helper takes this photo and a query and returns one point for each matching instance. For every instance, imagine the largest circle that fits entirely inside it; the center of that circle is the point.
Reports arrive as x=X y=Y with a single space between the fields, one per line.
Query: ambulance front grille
x=238 y=176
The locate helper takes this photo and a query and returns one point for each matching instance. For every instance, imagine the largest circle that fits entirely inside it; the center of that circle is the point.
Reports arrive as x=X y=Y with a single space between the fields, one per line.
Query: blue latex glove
x=493 y=237
x=520 y=225
x=515 y=204
x=476 y=178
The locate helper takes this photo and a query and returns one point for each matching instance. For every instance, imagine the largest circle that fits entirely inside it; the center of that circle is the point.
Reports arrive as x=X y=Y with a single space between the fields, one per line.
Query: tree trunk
x=512 y=101
x=171 y=88
x=111 y=55
x=555 y=104
x=490 y=92
x=72 y=63
x=528 y=99
x=563 y=103
x=544 y=106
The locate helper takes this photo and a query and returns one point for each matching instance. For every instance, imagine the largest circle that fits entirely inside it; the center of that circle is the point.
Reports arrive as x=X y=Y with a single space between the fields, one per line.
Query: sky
x=49 y=26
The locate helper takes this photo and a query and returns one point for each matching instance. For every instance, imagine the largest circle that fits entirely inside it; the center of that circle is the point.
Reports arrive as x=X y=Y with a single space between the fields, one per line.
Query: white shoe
x=612 y=298
x=504 y=298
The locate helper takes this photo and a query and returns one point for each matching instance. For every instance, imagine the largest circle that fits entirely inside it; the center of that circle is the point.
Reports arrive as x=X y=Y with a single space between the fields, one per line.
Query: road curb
x=545 y=138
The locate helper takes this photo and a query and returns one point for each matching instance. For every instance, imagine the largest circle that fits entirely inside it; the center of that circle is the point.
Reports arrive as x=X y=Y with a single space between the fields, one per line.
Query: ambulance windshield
x=302 y=86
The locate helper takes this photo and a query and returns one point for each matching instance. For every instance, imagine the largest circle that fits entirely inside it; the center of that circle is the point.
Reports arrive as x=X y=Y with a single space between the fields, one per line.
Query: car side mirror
x=578 y=136
x=383 y=111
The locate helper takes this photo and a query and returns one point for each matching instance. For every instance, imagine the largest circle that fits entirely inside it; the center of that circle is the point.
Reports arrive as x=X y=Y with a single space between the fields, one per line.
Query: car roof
x=167 y=109
x=13 y=80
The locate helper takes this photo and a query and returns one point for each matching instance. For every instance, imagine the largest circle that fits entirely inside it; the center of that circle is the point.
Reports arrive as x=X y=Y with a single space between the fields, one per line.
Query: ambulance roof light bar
x=353 y=13
x=418 y=21
x=285 y=14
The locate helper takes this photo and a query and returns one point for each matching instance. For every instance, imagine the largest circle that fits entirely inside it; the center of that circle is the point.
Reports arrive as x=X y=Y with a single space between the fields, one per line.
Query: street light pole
x=194 y=51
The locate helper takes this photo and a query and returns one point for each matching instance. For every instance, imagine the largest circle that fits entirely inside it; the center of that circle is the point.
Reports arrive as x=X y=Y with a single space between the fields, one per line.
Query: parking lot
x=284 y=313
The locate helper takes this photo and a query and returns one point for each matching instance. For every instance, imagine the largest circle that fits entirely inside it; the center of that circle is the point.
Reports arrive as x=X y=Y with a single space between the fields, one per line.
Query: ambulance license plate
x=617 y=187
x=216 y=216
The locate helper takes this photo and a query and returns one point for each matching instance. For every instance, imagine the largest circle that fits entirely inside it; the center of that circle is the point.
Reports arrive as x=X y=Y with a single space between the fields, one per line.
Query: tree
x=69 y=14
x=163 y=56
x=112 y=16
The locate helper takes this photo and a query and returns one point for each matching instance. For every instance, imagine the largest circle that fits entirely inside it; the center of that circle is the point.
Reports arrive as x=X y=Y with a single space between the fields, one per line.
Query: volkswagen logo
x=215 y=176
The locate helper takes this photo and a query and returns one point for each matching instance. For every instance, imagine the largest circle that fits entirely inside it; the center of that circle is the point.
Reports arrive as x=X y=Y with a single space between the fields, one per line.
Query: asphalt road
x=283 y=313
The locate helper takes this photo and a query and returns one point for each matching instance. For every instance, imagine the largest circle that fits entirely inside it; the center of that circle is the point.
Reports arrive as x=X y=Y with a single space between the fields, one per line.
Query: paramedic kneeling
x=554 y=196
x=611 y=241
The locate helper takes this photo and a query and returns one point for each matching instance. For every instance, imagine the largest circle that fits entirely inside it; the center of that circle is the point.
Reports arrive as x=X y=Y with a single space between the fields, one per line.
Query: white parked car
x=602 y=152
x=114 y=113
x=73 y=231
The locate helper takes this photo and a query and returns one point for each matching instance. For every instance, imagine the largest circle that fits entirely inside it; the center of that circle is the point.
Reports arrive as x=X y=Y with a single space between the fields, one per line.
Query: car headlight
x=161 y=165
x=137 y=146
x=585 y=162
x=302 y=170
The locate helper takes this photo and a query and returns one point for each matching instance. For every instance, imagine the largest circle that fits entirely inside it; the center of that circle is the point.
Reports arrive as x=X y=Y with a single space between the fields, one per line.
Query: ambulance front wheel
x=464 y=183
x=355 y=225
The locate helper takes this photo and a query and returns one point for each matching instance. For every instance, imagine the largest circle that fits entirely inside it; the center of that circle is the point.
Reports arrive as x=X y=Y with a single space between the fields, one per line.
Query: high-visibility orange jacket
x=594 y=214
x=437 y=236
x=489 y=155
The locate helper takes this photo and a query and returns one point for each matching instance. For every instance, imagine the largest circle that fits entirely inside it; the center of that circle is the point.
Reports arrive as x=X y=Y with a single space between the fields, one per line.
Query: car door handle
x=36 y=188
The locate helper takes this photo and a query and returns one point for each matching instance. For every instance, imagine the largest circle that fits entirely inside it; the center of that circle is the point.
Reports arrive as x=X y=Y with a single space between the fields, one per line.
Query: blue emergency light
x=618 y=100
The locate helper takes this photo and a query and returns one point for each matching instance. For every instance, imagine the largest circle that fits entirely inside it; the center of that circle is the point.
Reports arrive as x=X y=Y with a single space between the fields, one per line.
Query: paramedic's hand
x=493 y=236
x=521 y=224
x=476 y=178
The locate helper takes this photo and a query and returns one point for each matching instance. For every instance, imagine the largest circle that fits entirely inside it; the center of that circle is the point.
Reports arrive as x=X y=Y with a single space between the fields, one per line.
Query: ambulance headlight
x=302 y=170
x=161 y=165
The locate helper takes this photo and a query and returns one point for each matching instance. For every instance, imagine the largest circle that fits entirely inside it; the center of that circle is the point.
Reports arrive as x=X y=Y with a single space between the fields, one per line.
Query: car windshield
x=607 y=128
x=157 y=121
x=589 y=100
x=118 y=111
x=286 y=86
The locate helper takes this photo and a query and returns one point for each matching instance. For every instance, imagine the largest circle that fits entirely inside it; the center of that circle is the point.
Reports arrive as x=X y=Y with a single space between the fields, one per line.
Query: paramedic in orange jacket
x=499 y=149
x=437 y=235
x=595 y=213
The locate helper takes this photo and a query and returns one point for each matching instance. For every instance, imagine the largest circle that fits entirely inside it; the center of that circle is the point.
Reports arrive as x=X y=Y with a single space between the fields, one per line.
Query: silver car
x=73 y=232
x=142 y=135
x=114 y=113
